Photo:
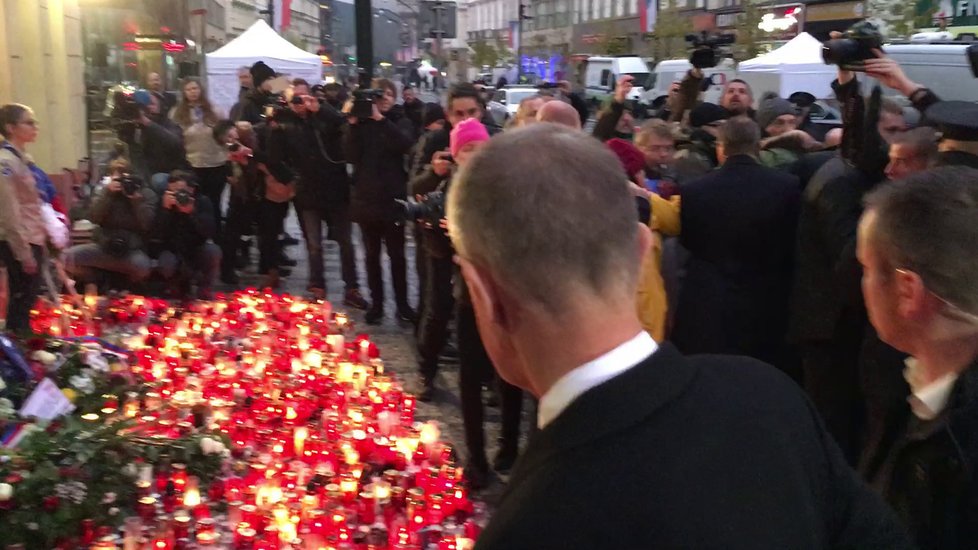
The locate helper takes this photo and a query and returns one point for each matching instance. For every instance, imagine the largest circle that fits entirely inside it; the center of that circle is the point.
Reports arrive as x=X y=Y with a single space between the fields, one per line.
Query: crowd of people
x=584 y=269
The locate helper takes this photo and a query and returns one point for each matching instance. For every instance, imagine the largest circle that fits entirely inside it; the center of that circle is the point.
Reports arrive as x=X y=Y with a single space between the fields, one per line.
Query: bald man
x=561 y=113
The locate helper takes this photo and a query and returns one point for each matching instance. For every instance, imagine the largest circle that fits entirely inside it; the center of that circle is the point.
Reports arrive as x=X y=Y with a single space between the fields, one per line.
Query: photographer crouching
x=183 y=233
x=376 y=141
x=475 y=367
x=123 y=210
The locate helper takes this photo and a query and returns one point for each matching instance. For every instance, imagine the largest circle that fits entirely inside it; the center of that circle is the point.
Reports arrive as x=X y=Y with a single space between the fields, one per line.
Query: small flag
x=283 y=15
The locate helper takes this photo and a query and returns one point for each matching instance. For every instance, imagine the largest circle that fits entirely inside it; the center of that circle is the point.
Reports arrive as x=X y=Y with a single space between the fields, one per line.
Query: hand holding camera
x=890 y=74
x=126 y=184
x=441 y=163
x=180 y=200
x=623 y=88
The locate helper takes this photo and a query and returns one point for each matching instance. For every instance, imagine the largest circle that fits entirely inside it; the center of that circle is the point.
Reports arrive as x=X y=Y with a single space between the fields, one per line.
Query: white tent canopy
x=795 y=67
x=258 y=43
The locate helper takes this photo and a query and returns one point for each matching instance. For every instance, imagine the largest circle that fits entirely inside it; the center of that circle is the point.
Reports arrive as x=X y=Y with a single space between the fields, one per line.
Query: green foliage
x=484 y=54
x=748 y=34
x=668 y=40
x=504 y=54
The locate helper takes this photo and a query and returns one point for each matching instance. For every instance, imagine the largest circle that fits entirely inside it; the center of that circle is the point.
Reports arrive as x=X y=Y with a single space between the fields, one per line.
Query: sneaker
x=375 y=316
x=354 y=299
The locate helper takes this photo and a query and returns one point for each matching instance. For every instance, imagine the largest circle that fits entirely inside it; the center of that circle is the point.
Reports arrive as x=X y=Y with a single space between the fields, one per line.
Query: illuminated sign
x=772 y=23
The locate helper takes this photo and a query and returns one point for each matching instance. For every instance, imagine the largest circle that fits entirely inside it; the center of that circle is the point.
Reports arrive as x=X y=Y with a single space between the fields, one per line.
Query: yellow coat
x=651 y=299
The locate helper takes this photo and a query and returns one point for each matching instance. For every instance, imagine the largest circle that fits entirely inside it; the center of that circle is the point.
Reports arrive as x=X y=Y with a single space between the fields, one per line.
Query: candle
x=300 y=435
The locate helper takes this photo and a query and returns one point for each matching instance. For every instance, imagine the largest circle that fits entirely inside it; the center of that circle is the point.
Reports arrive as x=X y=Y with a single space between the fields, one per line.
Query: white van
x=944 y=68
x=602 y=74
x=668 y=71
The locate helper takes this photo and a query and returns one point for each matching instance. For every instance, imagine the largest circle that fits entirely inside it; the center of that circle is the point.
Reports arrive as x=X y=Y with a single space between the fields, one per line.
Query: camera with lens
x=183 y=197
x=234 y=147
x=857 y=45
x=275 y=106
x=363 y=102
x=130 y=183
x=430 y=208
x=706 y=47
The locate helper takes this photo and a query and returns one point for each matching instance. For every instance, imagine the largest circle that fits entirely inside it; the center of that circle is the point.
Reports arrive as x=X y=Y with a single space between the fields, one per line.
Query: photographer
x=252 y=106
x=737 y=97
x=617 y=121
x=376 y=146
x=313 y=148
x=183 y=234
x=123 y=210
x=161 y=140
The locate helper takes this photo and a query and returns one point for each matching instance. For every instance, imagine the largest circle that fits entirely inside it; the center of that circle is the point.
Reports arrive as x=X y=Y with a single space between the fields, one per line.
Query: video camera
x=706 y=48
x=275 y=106
x=430 y=208
x=363 y=102
x=855 y=48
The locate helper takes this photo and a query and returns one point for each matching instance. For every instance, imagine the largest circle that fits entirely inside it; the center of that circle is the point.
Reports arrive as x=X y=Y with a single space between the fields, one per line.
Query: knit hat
x=707 y=113
x=632 y=160
x=771 y=107
x=467 y=131
x=260 y=72
x=433 y=112
x=141 y=97
x=802 y=99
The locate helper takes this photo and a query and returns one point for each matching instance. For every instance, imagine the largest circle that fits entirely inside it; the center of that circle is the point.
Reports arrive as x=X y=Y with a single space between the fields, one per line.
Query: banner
x=648 y=10
x=283 y=15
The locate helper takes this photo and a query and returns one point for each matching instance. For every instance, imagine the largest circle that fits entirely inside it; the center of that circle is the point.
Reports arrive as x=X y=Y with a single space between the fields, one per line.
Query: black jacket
x=414 y=112
x=439 y=140
x=928 y=470
x=699 y=452
x=605 y=127
x=434 y=239
x=377 y=149
x=251 y=107
x=162 y=144
x=121 y=218
x=314 y=150
x=181 y=233
x=738 y=224
x=827 y=292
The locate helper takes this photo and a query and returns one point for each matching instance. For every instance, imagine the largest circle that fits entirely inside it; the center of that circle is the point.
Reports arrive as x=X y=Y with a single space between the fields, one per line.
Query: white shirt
x=592 y=374
x=927 y=401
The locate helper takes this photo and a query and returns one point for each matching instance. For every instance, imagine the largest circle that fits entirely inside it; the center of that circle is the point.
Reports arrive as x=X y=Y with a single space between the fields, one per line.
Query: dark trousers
x=420 y=264
x=270 y=217
x=23 y=287
x=831 y=371
x=337 y=218
x=242 y=214
x=437 y=313
x=475 y=369
x=390 y=235
x=212 y=182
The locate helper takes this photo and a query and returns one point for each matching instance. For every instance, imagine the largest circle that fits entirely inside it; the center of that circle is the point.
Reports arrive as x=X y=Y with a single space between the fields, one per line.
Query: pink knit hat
x=467 y=131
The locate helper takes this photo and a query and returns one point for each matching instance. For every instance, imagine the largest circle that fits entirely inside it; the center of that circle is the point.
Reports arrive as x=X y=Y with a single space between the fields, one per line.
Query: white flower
x=82 y=383
x=3 y=385
x=211 y=446
x=74 y=491
x=95 y=360
x=6 y=491
x=113 y=511
x=33 y=526
x=109 y=498
x=45 y=357
x=130 y=470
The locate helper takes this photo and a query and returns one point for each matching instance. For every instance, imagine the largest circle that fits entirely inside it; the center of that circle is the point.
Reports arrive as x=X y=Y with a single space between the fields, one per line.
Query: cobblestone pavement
x=395 y=339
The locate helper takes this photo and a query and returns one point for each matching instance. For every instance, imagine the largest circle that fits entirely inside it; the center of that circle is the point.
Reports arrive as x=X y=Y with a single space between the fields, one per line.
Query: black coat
x=738 y=224
x=702 y=452
x=182 y=233
x=377 y=150
x=314 y=150
x=439 y=140
x=928 y=470
x=827 y=291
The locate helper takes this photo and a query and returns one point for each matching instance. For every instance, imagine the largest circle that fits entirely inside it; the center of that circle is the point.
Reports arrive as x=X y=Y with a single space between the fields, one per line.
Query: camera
x=275 y=106
x=130 y=183
x=183 y=197
x=363 y=102
x=705 y=48
x=234 y=147
x=856 y=47
x=431 y=208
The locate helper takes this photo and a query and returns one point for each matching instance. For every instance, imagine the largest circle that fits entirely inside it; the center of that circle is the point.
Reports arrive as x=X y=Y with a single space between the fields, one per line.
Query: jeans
x=437 y=313
x=270 y=217
x=212 y=182
x=337 y=218
x=475 y=368
x=205 y=262
x=376 y=235
x=23 y=287
x=85 y=260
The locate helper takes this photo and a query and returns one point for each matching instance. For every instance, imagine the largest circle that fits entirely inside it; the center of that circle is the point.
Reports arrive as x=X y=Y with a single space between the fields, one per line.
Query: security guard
x=22 y=232
x=957 y=122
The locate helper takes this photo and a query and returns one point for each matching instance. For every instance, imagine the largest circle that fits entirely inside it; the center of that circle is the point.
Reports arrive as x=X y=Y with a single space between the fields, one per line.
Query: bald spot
x=561 y=113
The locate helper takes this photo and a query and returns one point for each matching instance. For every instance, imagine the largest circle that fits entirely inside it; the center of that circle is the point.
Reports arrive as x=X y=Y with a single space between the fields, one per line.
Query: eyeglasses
x=950 y=309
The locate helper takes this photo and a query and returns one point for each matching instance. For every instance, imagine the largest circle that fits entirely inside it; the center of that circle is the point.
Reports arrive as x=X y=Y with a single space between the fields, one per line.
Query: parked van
x=603 y=73
x=944 y=68
x=668 y=71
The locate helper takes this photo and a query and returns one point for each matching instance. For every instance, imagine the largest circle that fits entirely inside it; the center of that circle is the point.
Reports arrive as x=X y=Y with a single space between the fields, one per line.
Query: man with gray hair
x=918 y=245
x=637 y=443
x=561 y=113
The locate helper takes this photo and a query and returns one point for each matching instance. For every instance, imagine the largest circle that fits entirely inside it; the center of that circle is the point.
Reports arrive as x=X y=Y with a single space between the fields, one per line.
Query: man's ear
x=912 y=295
x=484 y=291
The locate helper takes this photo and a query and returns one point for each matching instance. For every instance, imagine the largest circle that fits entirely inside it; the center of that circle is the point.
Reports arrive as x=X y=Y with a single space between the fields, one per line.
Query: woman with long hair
x=197 y=117
x=22 y=230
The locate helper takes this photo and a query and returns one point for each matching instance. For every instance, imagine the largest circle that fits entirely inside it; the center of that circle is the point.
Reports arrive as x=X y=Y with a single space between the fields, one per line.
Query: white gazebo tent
x=794 y=67
x=258 y=43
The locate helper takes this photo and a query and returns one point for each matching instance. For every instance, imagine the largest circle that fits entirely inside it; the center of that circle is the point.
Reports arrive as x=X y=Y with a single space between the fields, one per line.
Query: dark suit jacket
x=738 y=224
x=703 y=452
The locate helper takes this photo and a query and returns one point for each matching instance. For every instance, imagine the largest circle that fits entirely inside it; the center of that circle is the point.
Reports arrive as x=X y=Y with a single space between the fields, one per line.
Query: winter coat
x=376 y=148
x=652 y=302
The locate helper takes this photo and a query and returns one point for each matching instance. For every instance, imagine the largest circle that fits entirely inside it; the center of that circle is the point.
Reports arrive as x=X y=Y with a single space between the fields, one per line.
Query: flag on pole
x=648 y=10
x=514 y=36
x=283 y=15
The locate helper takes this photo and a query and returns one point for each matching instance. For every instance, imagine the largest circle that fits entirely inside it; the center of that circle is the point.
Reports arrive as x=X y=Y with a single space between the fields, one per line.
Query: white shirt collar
x=592 y=374
x=927 y=401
